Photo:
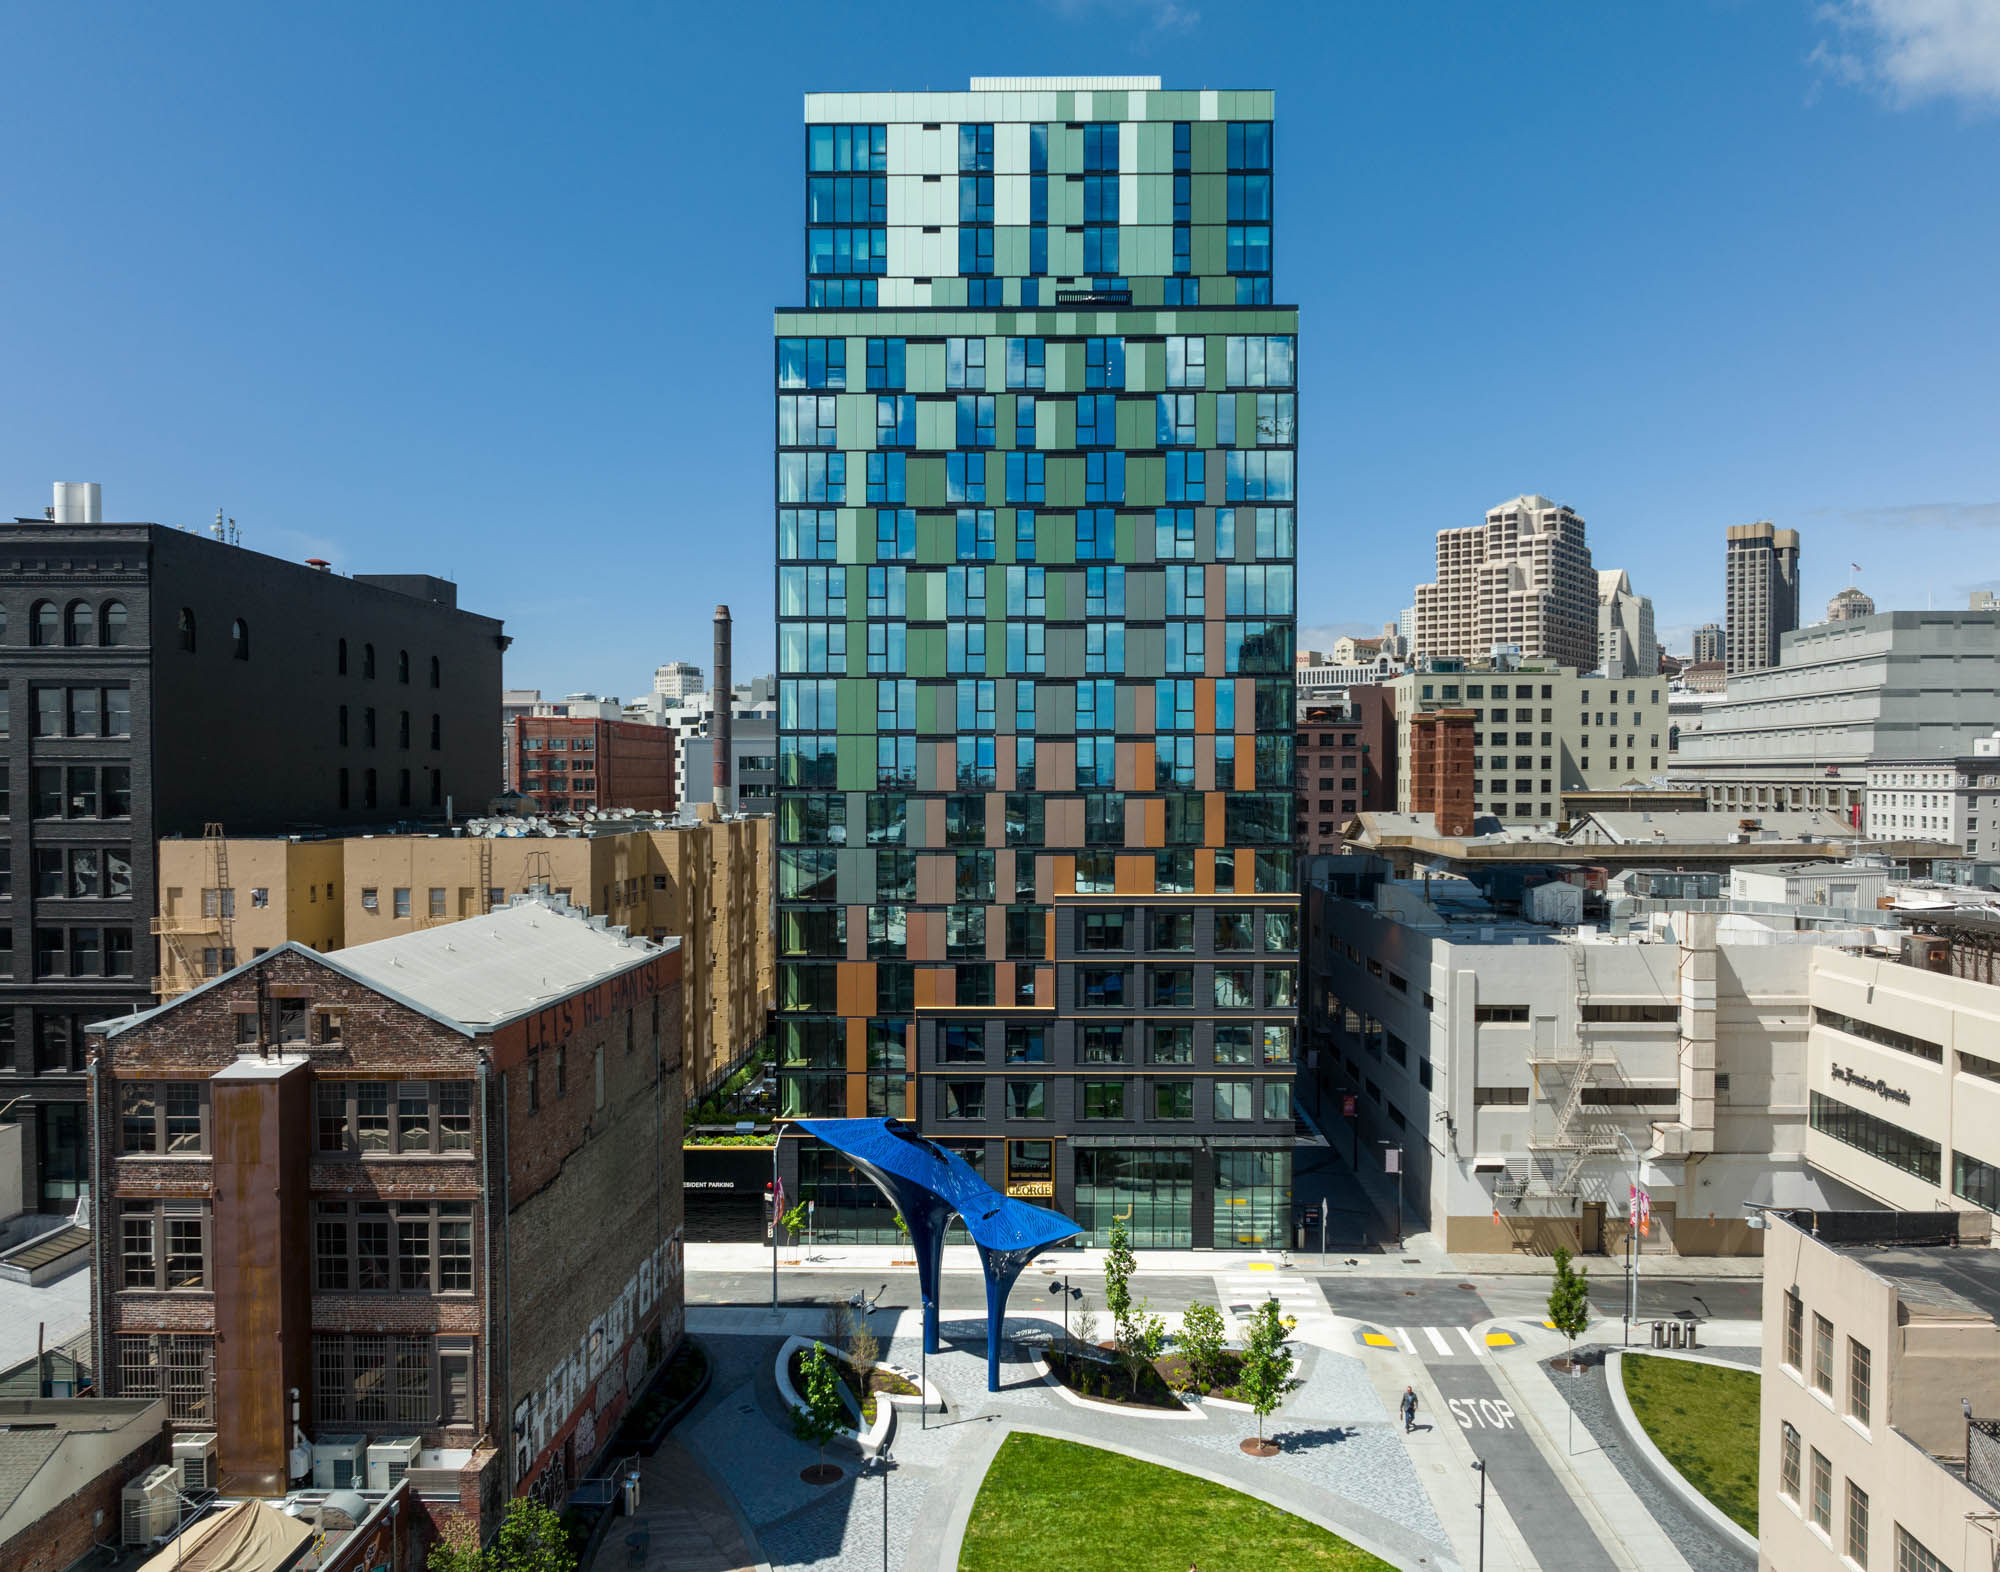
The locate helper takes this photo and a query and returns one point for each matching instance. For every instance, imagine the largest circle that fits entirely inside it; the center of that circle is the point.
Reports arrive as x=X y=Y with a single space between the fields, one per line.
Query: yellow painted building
x=224 y=899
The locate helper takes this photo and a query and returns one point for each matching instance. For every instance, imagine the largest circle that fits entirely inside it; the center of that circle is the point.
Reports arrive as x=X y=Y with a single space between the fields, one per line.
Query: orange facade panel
x=1154 y=831
x=1143 y=755
x=857 y=1046
x=854 y=988
x=1134 y=875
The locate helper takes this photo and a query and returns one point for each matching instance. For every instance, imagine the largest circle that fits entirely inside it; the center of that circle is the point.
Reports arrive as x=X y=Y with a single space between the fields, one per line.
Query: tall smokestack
x=719 y=728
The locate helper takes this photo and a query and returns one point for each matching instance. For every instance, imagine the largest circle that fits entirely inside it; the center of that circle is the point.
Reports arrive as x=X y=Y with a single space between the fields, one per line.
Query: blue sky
x=403 y=286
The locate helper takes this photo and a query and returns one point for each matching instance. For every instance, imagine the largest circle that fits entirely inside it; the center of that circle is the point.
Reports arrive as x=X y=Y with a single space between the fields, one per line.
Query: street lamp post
x=1480 y=1469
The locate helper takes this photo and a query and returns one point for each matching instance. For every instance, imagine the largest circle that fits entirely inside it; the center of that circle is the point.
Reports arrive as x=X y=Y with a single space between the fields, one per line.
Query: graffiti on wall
x=607 y=1364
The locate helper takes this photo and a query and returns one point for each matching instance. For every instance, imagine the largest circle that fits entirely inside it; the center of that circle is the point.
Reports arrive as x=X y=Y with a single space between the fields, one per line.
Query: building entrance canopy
x=927 y=1185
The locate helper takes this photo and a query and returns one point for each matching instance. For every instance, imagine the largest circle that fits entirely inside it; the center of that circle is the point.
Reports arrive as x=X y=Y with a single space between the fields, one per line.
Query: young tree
x=1200 y=1343
x=824 y=1415
x=794 y=1220
x=1142 y=1337
x=1267 y=1362
x=856 y=1339
x=1569 y=1300
x=1119 y=1266
x=531 y=1539
x=1086 y=1322
x=457 y=1547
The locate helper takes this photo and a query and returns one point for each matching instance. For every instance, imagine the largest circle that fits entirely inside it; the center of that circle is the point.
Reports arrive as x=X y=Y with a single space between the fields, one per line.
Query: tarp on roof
x=248 y=1537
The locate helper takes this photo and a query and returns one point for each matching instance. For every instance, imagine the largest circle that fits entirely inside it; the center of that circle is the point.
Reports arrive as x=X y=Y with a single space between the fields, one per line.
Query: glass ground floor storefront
x=1193 y=1192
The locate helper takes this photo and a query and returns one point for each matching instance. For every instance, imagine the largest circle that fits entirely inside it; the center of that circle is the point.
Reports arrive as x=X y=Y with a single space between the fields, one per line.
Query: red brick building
x=1346 y=765
x=432 y=1183
x=1441 y=768
x=572 y=762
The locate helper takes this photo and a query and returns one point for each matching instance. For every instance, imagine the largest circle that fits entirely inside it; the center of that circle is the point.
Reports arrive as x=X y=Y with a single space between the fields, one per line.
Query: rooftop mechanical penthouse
x=1036 y=489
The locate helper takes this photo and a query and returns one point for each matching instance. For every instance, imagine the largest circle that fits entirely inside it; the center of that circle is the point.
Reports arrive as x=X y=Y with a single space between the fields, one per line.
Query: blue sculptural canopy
x=892 y=1151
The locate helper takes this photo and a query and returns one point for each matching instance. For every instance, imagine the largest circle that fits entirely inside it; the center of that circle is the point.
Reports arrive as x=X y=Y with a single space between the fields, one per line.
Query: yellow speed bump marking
x=1501 y=1340
x=1259 y=1266
x=1368 y=1337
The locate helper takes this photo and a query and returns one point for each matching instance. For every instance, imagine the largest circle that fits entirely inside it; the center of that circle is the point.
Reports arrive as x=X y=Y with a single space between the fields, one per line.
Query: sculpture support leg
x=930 y=1272
x=1003 y=1269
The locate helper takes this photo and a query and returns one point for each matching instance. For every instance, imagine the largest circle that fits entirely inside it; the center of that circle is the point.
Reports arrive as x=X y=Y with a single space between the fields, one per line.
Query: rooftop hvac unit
x=390 y=1459
x=152 y=1506
x=338 y=1462
x=194 y=1456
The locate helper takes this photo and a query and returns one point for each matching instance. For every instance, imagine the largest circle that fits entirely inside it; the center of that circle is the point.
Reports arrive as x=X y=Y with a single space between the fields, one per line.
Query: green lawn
x=1704 y=1419
x=1047 y=1503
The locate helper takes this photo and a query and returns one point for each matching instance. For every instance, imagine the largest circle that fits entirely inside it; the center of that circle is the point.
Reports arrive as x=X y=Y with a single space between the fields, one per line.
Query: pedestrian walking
x=1409 y=1409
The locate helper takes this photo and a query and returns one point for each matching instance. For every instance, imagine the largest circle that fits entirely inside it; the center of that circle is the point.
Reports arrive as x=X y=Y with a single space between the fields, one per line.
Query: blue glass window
x=895 y=420
x=1187 y=587
x=1275 y=419
x=812 y=363
x=1096 y=706
x=1103 y=647
x=896 y=706
x=1249 y=144
x=807 y=420
x=838 y=292
x=1024 y=536
x=1103 y=476
x=1264 y=590
x=847 y=251
x=1027 y=653
x=808 y=706
x=885 y=364
x=1173 y=537
x=1183 y=145
x=1031 y=291
x=1274 y=533
x=895 y=763
x=1225 y=713
x=1100 y=199
x=1249 y=248
x=885 y=477
x=1100 y=248
x=1181 y=291
x=1104 y=592
x=1183 y=252
x=1253 y=291
x=975 y=771
x=836 y=149
x=965 y=477
x=1024 y=706
x=1187 y=361
x=965 y=362
x=809 y=533
x=1257 y=476
x=888 y=648
x=975 y=704
x=975 y=534
x=1027 y=592
x=812 y=477
x=975 y=250
x=1027 y=362
x=896 y=534
x=1025 y=477
x=812 y=592
x=1038 y=255
x=888 y=592
x=812 y=646
x=1096 y=420
x=1187 y=646
x=976 y=418
x=1185 y=477
x=1100 y=148
x=975 y=149
x=1096 y=534
x=1173 y=705
x=965 y=592
x=1183 y=207
x=1103 y=362
x=1249 y=199
x=1038 y=199
x=964 y=647
x=1225 y=421
x=975 y=199
x=833 y=200
x=1225 y=534
x=1024 y=421
x=1258 y=362
x=1174 y=417
x=1038 y=148
x=985 y=292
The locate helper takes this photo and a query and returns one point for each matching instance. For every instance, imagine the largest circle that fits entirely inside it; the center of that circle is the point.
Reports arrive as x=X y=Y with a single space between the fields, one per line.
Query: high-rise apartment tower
x=1522 y=580
x=1036 y=483
x=1761 y=582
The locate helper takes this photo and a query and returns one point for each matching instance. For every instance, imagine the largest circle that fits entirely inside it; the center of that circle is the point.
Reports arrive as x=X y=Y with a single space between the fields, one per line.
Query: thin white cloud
x=1915 y=51
x=1158 y=16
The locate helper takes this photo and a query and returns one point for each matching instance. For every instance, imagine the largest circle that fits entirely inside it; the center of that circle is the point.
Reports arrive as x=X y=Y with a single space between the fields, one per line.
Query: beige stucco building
x=1880 y=1360
x=224 y=900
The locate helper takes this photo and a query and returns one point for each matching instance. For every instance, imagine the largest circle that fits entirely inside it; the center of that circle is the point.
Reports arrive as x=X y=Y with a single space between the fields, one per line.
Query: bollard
x=1659 y=1334
x=1687 y=1332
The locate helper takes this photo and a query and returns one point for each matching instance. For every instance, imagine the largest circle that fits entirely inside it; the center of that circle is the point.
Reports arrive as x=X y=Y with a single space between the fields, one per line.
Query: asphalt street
x=1451 y=1300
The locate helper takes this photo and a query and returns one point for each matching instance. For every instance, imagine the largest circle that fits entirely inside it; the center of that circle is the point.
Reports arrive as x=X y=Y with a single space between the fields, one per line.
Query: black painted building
x=154 y=681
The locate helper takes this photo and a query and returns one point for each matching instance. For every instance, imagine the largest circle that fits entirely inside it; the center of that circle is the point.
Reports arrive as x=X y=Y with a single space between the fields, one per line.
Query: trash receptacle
x=632 y=1493
x=1687 y=1333
x=1674 y=1334
x=1659 y=1334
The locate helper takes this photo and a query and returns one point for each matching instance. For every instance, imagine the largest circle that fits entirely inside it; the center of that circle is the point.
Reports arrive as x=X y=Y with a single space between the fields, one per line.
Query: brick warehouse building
x=573 y=762
x=433 y=1183
x=1346 y=765
x=153 y=681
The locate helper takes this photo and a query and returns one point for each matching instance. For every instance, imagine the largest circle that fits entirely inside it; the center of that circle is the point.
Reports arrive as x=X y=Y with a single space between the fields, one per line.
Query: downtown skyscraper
x=1036 y=490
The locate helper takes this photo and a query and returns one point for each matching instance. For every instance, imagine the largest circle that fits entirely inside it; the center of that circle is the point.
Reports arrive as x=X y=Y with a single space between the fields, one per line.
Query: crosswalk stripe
x=1471 y=1342
x=1438 y=1342
x=1409 y=1343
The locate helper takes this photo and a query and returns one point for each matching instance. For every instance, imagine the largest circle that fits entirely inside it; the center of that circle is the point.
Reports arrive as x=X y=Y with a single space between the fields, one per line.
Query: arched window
x=111 y=627
x=343 y=657
x=437 y=730
x=44 y=627
x=368 y=665
x=79 y=625
x=402 y=665
x=187 y=628
x=434 y=669
x=239 y=636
